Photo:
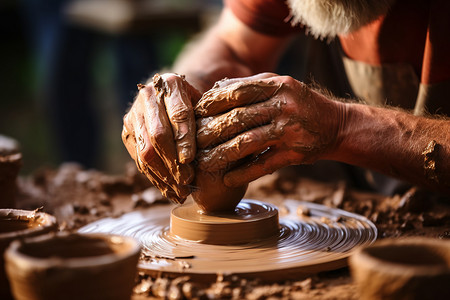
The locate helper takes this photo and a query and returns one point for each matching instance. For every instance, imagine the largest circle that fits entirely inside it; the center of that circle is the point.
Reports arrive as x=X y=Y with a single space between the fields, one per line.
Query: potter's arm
x=303 y=125
x=229 y=49
x=398 y=144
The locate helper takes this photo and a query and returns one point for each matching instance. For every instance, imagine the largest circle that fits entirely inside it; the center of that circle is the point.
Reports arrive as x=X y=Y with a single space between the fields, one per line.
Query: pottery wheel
x=301 y=244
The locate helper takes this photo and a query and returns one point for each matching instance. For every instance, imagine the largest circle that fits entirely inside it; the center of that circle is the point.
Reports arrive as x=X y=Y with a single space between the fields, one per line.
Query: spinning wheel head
x=253 y=241
x=250 y=221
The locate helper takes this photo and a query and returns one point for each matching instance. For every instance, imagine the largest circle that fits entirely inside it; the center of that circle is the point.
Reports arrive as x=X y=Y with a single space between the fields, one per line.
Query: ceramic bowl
x=413 y=268
x=17 y=224
x=10 y=164
x=73 y=266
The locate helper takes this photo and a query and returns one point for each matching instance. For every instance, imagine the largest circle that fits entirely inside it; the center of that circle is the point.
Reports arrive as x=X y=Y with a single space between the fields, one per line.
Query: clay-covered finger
x=148 y=157
x=178 y=197
x=250 y=142
x=216 y=130
x=158 y=170
x=178 y=103
x=128 y=137
x=160 y=133
x=220 y=100
x=163 y=187
x=162 y=136
x=265 y=163
x=228 y=81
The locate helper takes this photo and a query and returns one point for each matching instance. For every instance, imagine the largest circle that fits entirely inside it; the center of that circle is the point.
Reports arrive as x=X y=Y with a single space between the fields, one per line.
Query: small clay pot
x=72 y=266
x=10 y=164
x=413 y=268
x=16 y=224
x=212 y=196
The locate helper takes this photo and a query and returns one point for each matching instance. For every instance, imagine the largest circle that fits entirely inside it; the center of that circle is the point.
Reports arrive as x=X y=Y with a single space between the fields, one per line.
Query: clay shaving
x=429 y=161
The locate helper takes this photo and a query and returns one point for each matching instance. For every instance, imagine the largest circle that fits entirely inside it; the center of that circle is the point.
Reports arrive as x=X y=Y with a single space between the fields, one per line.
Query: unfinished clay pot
x=413 y=268
x=10 y=164
x=211 y=194
x=72 y=266
x=15 y=224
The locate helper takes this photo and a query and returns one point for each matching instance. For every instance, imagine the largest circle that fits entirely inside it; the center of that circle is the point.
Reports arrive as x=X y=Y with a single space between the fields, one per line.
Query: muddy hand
x=268 y=123
x=159 y=134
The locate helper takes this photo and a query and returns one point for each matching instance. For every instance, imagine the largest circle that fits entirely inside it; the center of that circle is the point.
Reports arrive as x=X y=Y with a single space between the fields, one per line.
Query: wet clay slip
x=286 y=246
x=72 y=266
x=411 y=268
x=16 y=224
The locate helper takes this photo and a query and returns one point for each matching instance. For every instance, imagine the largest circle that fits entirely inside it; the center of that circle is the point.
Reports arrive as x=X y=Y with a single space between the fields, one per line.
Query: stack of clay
x=19 y=224
x=10 y=163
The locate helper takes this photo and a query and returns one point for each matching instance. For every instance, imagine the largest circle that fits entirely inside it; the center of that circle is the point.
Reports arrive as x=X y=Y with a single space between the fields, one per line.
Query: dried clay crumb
x=429 y=161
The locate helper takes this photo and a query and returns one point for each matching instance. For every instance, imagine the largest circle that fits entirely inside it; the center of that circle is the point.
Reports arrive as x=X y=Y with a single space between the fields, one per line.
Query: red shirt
x=416 y=32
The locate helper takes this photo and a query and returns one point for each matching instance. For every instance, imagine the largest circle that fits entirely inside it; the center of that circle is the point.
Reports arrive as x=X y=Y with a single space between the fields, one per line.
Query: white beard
x=328 y=18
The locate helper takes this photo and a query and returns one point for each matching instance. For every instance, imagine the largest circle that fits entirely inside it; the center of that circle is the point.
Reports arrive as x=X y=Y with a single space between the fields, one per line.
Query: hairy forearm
x=229 y=49
x=398 y=144
x=207 y=60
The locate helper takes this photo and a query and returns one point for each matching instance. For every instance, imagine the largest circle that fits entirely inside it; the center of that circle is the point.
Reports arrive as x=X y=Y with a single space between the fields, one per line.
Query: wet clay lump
x=212 y=196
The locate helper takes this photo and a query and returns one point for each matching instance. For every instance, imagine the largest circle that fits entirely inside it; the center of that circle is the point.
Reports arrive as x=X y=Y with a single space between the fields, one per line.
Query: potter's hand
x=268 y=123
x=159 y=134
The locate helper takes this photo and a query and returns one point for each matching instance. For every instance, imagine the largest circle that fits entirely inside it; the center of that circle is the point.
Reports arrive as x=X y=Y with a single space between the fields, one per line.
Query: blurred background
x=70 y=68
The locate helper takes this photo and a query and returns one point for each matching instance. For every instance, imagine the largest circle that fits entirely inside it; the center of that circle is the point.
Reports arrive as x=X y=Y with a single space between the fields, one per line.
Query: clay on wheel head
x=211 y=195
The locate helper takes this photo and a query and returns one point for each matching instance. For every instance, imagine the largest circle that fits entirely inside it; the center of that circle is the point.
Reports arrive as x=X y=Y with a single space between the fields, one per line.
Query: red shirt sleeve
x=271 y=17
x=436 y=61
x=414 y=31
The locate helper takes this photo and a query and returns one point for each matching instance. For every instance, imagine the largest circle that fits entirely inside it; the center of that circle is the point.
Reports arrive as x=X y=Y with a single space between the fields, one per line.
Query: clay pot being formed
x=15 y=224
x=212 y=196
x=72 y=266
x=413 y=268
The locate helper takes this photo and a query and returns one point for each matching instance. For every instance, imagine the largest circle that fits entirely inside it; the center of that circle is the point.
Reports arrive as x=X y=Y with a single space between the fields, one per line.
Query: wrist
x=339 y=127
x=358 y=133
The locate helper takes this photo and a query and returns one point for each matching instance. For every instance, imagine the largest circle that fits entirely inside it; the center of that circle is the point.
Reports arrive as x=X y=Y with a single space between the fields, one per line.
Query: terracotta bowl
x=73 y=266
x=15 y=224
x=10 y=164
x=413 y=268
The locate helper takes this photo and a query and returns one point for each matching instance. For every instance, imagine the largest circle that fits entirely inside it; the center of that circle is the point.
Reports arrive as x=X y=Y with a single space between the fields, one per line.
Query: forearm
x=398 y=144
x=208 y=60
x=229 y=49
